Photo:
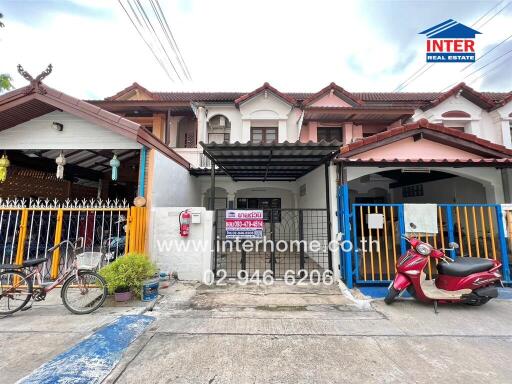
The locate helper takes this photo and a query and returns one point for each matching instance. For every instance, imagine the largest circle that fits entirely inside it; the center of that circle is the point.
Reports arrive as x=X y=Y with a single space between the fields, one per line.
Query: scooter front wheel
x=391 y=295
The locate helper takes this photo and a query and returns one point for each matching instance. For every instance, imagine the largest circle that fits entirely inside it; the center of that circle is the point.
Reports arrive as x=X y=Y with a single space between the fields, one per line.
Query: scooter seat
x=465 y=266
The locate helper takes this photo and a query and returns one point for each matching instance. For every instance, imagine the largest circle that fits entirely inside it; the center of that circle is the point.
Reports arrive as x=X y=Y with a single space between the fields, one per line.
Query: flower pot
x=122 y=296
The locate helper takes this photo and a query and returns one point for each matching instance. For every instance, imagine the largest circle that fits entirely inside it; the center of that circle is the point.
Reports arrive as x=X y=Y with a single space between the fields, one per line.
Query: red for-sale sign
x=247 y=224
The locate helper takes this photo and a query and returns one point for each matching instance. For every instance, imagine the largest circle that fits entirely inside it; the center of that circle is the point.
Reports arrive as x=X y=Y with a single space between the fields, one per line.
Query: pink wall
x=308 y=132
x=421 y=149
x=330 y=100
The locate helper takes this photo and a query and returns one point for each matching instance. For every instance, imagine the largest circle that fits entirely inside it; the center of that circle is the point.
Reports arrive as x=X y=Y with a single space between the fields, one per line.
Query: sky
x=297 y=46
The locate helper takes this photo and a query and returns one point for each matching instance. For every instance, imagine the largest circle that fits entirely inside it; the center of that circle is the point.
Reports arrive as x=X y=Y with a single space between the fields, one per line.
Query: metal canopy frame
x=269 y=162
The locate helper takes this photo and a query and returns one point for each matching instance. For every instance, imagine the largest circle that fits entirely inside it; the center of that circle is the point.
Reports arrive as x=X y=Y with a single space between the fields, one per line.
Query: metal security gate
x=294 y=240
x=478 y=229
x=29 y=227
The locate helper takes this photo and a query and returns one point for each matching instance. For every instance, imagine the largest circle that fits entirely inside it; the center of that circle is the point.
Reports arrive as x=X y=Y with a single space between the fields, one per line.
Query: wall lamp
x=57 y=126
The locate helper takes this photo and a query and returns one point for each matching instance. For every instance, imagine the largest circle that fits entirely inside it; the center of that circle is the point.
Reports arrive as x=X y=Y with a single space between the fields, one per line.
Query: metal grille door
x=294 y=240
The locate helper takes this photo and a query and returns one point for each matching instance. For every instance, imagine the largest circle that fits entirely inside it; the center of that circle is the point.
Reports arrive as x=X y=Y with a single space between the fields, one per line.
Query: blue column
x=449 y=224
x=346 y=235
x=503 y=244
x=142 y=170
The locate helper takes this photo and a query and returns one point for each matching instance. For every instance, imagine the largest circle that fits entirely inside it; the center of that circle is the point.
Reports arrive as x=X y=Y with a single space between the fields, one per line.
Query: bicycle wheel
x=15 y=291
x=84 y=293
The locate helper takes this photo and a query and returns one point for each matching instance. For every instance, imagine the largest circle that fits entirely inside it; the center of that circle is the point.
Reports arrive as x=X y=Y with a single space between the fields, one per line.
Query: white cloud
x=228 y=45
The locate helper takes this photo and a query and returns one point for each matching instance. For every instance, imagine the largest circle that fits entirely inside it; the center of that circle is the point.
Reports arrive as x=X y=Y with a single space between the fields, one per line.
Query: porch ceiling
x=269 y=162
x=84 y=164
x=360 y=114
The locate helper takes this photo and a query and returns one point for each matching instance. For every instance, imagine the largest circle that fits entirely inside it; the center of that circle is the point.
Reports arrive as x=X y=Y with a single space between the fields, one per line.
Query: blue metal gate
x=371 y=258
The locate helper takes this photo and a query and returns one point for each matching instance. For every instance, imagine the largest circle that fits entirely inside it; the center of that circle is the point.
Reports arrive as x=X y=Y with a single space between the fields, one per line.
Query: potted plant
x=125 y=276
x=122 y=293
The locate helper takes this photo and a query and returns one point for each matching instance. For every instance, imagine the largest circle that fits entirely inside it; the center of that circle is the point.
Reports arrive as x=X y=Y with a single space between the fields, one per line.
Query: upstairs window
x=219 y=128
x=329 y=134
x=265 y=135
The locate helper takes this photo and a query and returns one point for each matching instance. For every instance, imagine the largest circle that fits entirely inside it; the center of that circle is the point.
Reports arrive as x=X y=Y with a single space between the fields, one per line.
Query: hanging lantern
x=114 y=163
x=61 y=162
x=4 y=164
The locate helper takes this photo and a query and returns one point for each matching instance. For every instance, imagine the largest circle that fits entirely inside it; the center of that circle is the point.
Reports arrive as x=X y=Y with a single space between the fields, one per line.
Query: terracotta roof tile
x=424 y=124
x=265 y=87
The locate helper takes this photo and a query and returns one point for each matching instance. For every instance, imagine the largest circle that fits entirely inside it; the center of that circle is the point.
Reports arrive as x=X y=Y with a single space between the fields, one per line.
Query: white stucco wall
x=486 y=125
x=264 y=109
x=78 y=133
x=190 y=257
x=173 y=185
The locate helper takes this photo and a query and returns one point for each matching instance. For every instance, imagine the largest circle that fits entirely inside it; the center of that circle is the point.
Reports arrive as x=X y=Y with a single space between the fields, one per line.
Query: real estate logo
x=450 y=42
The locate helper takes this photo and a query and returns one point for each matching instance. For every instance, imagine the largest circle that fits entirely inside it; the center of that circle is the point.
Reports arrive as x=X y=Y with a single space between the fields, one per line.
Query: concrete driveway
x=315 y=334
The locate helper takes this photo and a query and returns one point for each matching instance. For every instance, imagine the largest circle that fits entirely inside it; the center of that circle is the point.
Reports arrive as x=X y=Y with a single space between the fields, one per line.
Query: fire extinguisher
x=185 y=220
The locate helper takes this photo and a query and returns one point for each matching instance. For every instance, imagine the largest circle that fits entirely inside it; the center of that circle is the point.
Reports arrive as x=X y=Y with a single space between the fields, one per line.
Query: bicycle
x=83 y=290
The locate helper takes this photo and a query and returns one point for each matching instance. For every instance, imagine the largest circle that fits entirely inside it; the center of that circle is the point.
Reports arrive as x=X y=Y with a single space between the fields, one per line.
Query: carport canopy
x=269 y=162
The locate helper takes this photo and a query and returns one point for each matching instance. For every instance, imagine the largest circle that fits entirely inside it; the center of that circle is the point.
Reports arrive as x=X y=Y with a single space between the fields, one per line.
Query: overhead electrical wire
x=152 y=37
x=416 y=75
x=149 y=25
x=145 y=41
x=170 y=37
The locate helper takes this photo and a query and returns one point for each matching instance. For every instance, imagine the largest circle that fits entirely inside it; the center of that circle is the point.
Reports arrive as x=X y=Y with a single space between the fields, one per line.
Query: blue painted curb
x=92 y=359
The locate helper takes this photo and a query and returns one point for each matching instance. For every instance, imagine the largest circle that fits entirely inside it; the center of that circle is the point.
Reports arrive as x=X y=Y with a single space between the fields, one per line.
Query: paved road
x=314 y=334
x=29 y=339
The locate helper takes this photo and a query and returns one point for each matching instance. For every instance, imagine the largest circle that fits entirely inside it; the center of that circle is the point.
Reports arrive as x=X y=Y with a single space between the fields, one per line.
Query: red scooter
x=468 y=280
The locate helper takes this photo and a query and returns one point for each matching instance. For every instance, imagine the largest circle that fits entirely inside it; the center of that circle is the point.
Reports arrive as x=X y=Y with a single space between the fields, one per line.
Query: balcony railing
x=195 y=157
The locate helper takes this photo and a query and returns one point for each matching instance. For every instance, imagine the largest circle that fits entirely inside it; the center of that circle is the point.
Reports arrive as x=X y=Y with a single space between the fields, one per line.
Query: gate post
x=347 y=255
x=449 y=223
x=503 y=243
x=301 y=237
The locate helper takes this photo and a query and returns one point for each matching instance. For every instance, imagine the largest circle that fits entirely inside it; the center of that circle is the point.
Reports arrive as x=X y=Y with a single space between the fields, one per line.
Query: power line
x=485 y=74
x=414 y=77
x=496 y=14
x=144 y=39
x=148 y=23
x=173 y=39
x=489 y=51
x=482 y=67
x=486 y=13
x=166 y=34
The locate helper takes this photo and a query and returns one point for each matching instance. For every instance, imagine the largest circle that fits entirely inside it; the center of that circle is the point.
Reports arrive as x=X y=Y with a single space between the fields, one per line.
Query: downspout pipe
x=142 y=170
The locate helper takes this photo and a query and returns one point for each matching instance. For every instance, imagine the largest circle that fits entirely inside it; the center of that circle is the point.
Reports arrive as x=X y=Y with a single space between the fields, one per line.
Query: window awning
x=269 y=162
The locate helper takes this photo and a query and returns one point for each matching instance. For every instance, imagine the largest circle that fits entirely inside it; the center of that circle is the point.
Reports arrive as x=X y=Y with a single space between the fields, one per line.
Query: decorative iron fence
x=29 y=227
x=479 y=229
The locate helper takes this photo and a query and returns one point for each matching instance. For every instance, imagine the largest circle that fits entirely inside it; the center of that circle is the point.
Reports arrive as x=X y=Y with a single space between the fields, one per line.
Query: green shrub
x=128 y=271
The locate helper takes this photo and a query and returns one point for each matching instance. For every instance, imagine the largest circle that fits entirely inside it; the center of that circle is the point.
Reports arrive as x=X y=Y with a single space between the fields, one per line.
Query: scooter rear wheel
x=392 y=295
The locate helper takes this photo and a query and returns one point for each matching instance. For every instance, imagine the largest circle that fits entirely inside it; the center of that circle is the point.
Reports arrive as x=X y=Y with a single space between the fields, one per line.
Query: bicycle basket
x=88 y=260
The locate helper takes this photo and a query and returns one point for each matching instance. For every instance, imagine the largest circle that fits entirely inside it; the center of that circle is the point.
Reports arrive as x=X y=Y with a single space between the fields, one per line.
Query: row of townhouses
x=317 y=164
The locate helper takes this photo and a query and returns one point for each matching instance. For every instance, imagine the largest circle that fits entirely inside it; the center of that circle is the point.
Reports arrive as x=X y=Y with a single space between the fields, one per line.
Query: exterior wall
x=190 y=257
x=265 y=109
x=489 y=178
x=421 y=149
x=503 y=118
x=172 y=185
x=232 y=114
x=486 y=125
x=38 y=133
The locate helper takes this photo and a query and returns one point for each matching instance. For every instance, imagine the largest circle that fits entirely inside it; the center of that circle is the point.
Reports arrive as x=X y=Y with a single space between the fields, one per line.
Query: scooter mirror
x=453 y=245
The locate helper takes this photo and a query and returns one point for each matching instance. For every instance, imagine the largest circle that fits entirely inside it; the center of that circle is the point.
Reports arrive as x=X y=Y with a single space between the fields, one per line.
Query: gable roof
x=450 y=29
x=507 y=99
x=338 y=91
x=265 y=87
x=132 y=89
x=478 y=98
x=26 y=103
x=434 y=132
